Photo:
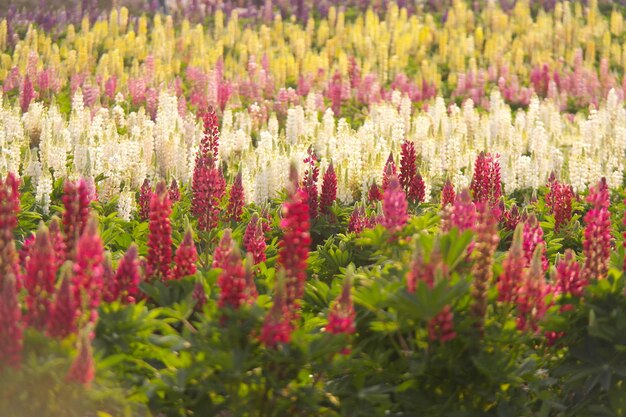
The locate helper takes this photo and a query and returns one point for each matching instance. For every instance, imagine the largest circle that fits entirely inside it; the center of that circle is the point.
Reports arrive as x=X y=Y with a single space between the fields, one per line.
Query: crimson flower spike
x=160 y=235
x=277 y=326
x=75 y=214
x=395 y=206
x=329 y=190
x=236 y=200
x=83 y=369
x=11 y=327
x=65 y=309
x=186 y=258
x=597 y=241
x=9 y=208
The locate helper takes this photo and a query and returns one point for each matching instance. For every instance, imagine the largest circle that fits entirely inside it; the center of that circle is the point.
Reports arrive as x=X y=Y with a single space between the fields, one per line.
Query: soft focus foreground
x=270 y=210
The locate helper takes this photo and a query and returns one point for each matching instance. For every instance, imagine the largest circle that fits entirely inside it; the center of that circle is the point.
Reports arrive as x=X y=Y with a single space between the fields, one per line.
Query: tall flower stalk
x=160 y=235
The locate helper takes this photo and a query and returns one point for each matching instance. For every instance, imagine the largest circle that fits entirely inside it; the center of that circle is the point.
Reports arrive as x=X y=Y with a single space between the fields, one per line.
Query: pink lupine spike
x=533 y=236
x=597 y=241
x=395 y=206
x=462 y=214
x=329 y=190
x=88 y=268
x=65 y=309
x=27 y=94
x=531 y=305
x=374 y=194
x=486 y=183
x=513 y=268
x=39 y=279
x=232 y=281
x=75 y=214
x=408 y=165
x=277 y=326
x=441 y=327
x=9 y=208
x=58 y=241
x=309 y=183
x=223 y=249
x=569 y=279
x=127 y=277
x=160 y=235
x=11 y=327
x=254 y=240
x=417 y=189
x=559 y=200
x=358 y=220
x=389 y=172
x=209 y=145
x=83 y=369
x=341 y=315
x=185 y=258
x=145 y=194
x=236 y=200
x=294 y=246
x=447 y=194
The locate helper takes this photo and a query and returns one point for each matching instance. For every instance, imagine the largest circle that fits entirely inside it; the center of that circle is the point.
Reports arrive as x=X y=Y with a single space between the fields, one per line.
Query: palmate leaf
x=427 y=302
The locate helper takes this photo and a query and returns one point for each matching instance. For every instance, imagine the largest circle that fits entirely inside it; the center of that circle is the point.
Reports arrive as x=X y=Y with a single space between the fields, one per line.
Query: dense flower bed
x=363 y=212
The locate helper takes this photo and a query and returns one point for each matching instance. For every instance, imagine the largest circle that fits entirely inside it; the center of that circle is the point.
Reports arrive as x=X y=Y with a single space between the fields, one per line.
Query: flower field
x=340 y=209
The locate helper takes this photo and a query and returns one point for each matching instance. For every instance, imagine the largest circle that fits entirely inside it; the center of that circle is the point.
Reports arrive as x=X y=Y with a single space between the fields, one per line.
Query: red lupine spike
x=232 y=281
x=65 y=310
x=87 y=282
x=39 y=280
x=9 y=208
x=236 y=200
x=597 y=242
x=374 y=194
x=11 y=328
x=486 y=183
x=408 y=165
x=358 y=220
x=160 y=235
x=186 y=258
x=513 y=217
x=75 y=214
x=209 y=145
x=174 y=191
x=389 y=172
x=533 y=236
x=208 y=188
x=569 y=279
x=417 y=189
x=254 y=240
x=341 y=315
x=24 y=252
x=487 y=239
x=277 y=327
x=513 y=268
x=447 y=194
x=441 y=327
x=223 y=249
x=83 y=369
x=309 y=184
x=559 y=199
x=58 y=242
x=462 y=214
x=145 y=194
x=127 y=277
x=329 y=190
x=395 y=206
x=531 y=295
x=294 y=246
x=27 y=94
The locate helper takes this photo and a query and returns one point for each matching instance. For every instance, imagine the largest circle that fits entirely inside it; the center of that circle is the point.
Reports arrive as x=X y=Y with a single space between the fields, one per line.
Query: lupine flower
x=174 y=191
x=65 y=309
x=10 y=323
x=9 y=208
x=145 y=194
x=329 y=190
x=530 y=299
x=87 y=282
x=487 y=239
x=209 y=145
x=236 y=200
x=513 y=217
x=569 y=279
x=309 y=184
x=24 y=252
x=75 y=214
x=408 y=165
x=597 y=242
x=374 y=194
x=395 y=206
x=27 y=94
x=222 y=250
x=254 y=240
x=39 y=279
x=208 y=187
x=277 y=327
x=127 y=277
x=513 y=268
x=294 y=246
x=417 y=189
x=486 y=183
x=83 y=369
x=358 y=220
x=341 y=315
x=447 y=194
x=185 y=258
x=559 y=199
x=462 y=214
x=441 y=327
x=160 y=235
x=58 y=242
x=389 y=172
x=533 y=236
x=232 y=281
